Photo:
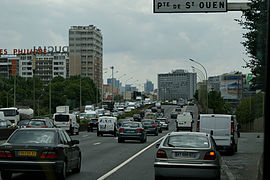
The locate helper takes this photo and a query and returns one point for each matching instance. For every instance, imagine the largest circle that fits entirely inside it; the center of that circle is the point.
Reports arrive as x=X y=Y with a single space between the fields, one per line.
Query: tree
x=217 y=103
x=254 y=23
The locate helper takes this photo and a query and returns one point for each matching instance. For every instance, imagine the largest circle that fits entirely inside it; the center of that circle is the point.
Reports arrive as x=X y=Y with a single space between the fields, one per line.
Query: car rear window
x=33 y=136
x=37 y=123
x=23 y=122
x=187 y=141
x=131 y=125
x=148 y=122
x=61 y=118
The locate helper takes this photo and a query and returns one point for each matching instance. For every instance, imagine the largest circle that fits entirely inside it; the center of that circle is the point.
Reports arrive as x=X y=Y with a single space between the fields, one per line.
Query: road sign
x=189 y=6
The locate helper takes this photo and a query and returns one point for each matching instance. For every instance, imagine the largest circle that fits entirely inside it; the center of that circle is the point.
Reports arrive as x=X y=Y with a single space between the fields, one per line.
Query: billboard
x=231 y=86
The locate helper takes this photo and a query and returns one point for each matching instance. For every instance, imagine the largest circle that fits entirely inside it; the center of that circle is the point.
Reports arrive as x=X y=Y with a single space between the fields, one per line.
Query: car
x=150 y=126
x=5 y=124
x=67 y=122
x=132 y=131
x=92 y=118
x=187 y=155
x=164 y=123
x=44 y=150
x=158 y=125
x=174 y=115
x=23 y=123
x=40 y=123
x=137 y=117
x=178 y=109
x=154 y=109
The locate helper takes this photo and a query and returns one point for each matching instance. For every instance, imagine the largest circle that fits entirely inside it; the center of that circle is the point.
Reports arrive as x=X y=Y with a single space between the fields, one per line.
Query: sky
x=139 y=44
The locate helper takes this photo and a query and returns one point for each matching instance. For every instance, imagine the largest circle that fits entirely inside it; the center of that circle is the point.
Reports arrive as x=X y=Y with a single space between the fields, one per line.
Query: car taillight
x=198 y=126
x=139 y=129
x=166 y=122
x=154 y=125
x=88 y=123
x=161 y=154
x=232 y=127
x=5 y=154
x=211 y=155
x=28 y=126
x=44 y=126
x=48 y=155
x=70 y=121
x=121 y=129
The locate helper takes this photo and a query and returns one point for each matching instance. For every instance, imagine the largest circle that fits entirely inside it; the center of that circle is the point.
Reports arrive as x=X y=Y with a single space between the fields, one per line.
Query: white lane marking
x=85 y=135
x=128 y=160
x=97 y=143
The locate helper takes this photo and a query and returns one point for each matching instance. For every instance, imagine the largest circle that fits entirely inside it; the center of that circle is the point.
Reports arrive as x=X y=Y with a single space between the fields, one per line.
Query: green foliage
x=216 y=102
x=250 y=109
x=254 y=23
x=63 y=92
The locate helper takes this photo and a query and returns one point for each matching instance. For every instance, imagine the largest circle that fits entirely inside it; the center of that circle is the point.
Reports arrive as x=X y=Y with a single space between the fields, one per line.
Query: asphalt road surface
x=105 y=158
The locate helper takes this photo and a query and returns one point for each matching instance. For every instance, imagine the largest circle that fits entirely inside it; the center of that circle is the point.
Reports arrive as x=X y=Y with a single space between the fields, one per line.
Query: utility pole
x=112 y=83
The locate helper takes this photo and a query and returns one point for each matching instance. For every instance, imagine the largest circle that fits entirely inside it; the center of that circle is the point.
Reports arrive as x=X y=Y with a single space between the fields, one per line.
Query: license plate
x=185 y=155
x=130 y=131
x=27 y=153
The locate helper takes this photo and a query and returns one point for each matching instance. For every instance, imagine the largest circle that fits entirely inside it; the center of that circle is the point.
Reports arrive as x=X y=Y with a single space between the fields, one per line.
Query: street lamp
x=112 y=82
x=205 y=82
x=194 y=68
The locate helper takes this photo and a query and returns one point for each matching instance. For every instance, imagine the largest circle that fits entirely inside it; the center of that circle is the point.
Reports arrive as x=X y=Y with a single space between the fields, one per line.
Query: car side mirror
x=157 y=145
x=75 y=142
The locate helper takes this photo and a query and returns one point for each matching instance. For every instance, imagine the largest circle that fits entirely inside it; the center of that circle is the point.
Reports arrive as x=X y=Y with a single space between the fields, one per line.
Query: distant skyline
x=136 y=41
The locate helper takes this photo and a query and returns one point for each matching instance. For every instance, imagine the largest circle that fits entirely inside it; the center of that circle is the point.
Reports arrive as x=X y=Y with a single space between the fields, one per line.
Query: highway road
x=105 y=158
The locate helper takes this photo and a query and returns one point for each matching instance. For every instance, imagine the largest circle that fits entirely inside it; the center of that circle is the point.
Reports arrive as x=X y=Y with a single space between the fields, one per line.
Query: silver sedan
x=187 y=155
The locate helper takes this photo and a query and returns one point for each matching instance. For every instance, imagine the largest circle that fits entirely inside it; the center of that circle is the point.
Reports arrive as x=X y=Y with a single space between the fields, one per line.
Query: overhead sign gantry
x=197 y=6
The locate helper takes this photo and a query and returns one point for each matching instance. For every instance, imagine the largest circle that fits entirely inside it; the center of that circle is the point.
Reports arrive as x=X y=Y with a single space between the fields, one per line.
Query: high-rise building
x=148 y=87
x=116 y=82
x=176 y=85
x=85 y=53
x=46 y=66
x=9 y=66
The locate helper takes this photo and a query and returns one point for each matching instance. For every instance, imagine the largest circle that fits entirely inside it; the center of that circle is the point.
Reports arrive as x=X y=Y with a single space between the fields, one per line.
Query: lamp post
x=112 y=82
x=205 y=82
x=7 y=95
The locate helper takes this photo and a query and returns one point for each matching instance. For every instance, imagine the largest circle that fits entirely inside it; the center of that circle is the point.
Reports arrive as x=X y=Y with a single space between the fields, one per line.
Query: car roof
x=39 y=129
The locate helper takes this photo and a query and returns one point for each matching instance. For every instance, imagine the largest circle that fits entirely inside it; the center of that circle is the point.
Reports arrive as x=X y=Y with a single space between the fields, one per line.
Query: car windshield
x=131 y=125
x=33 y=136
x=187 y=141
x=9 y=112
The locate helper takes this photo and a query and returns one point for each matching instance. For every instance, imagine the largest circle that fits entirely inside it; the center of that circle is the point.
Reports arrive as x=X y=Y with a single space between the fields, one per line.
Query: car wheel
x=88 y=129
x=78 y=168
x=98 y=133
x=77 y=133
x=6 y=175
x=91 y=129
x=120 y=140
x=63 y=174
x=167 y=128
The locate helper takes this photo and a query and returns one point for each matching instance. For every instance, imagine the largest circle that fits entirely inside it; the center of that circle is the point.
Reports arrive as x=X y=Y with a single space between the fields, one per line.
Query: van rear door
x=222 y=132
x=62 y=121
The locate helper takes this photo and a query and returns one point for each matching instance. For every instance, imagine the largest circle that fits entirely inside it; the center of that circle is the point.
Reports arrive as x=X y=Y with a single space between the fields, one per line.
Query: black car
x=92 y=123
x=150 y=126
x=44 y=150
x=174 y=115
x=137 y=117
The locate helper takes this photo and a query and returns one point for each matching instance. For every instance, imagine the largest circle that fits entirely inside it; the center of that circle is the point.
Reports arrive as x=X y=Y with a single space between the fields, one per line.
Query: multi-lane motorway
x=105 y=158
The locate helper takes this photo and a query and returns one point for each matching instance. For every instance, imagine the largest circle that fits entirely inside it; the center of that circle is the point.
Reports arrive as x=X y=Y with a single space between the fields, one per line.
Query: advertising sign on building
x=231 y=86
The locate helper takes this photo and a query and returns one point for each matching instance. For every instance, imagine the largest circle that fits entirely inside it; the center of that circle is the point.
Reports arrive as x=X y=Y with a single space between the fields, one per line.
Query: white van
x=11 y=114
x=67 y=122
x=184 y=121
x=223 y=129
x=89 y=108
x=107 y=125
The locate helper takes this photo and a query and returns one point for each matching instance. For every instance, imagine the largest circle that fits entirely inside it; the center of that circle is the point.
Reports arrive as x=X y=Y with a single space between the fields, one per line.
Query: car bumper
x=130 y=136
x=151 y=131
x=31 y=166
x=164 y=169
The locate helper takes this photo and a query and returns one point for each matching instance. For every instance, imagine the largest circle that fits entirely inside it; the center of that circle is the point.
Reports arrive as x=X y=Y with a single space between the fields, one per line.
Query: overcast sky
x=136 y=41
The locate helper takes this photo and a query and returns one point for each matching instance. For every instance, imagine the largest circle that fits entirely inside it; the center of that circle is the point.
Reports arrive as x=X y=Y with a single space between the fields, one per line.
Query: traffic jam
x=188 y=149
